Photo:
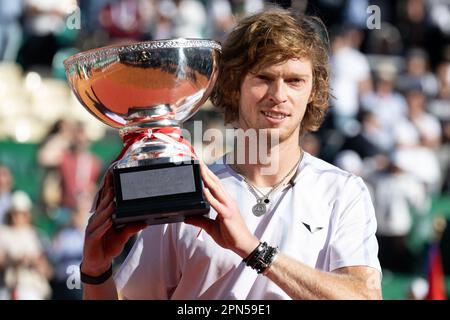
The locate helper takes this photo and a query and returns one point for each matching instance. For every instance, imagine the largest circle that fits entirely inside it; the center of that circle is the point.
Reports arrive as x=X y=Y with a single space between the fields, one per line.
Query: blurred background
x=389 y=122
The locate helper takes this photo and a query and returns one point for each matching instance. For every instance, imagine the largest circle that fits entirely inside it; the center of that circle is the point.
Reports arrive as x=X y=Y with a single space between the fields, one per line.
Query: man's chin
x=281 y=134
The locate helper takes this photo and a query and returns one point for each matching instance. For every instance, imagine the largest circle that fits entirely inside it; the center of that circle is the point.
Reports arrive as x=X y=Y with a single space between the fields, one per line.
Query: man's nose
x=277 y=92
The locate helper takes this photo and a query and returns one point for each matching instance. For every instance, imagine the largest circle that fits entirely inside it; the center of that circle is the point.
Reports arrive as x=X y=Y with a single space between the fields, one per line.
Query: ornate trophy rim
x=91 y=55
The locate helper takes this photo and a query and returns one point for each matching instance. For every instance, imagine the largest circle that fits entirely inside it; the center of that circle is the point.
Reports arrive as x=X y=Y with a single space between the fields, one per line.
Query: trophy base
x=158 y=193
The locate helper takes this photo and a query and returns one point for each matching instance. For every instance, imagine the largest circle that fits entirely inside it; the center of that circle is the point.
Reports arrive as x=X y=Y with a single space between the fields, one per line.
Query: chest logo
x=312 y=229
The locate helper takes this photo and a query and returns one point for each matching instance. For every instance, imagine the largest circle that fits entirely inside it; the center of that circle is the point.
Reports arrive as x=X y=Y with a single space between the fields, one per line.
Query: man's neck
x=278 y=163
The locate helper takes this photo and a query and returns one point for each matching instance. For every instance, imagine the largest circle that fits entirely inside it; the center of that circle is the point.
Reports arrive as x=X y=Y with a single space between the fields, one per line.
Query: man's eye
x=296 y=81
x=263 y=78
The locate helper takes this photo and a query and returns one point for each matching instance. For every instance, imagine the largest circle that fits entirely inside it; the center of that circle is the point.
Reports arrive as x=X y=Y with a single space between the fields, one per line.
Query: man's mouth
x=275 y=115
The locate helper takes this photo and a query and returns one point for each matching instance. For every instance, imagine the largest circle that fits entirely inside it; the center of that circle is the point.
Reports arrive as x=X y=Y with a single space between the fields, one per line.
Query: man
x=273 y=76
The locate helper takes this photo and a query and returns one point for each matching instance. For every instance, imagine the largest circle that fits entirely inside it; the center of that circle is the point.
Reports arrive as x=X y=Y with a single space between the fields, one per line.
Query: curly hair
x=267 y=38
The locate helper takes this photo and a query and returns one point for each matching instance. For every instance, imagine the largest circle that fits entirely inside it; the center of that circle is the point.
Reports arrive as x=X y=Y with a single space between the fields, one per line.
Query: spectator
x=418 y=289
x=445 y=157
x=355 y=13
x=221 y=19
x=371 y=140
x=90 y=10
x=440 y=15
x=162 y=27
x=385 y=103
x=417 y=30
x=10 y=29
x=44 y=20
x=414 y=158
x=427 y=125
x=398 y=196
x=443 y=76
x=348 y=84
x=79 y=170
x=418 y=74
x=6 y=185
x=350 y=161
x=26 y=267
x=385 y=41
x=242 y=8
x=330 y=11
x=67 y=251
x=122 y=20
x=181 y=18
x=440 y=107
x=50 y=155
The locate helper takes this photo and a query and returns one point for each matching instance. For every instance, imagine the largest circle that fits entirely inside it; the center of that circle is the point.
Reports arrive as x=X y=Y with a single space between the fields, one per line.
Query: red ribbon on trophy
x=167 y=134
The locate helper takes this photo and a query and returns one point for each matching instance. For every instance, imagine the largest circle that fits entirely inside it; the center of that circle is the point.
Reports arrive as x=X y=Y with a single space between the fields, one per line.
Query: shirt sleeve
x=354 y=242
x=150 y=270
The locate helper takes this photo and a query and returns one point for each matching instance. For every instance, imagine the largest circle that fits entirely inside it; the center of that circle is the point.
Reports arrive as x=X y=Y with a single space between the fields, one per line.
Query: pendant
x=259 y=209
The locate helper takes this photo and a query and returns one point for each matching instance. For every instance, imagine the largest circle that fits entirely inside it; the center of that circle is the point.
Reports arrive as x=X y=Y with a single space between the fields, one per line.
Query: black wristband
x=256 y=252
x=261 y=258
x=87 y=279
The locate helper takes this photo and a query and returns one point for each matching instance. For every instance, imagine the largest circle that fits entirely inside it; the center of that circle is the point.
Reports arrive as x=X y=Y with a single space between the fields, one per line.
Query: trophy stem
x=147 y=145
x=152 y=117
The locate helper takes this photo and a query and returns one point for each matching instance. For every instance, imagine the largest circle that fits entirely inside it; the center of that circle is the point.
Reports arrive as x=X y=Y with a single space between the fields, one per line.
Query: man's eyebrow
x=288 y=75
x=297 y=75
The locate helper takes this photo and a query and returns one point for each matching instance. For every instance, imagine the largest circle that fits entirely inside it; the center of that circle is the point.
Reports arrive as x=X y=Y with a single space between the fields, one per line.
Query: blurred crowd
x=389 y=120
x=36 y=263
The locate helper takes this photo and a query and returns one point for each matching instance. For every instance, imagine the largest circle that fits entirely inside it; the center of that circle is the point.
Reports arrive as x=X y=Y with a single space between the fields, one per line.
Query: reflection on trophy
x=147 y=90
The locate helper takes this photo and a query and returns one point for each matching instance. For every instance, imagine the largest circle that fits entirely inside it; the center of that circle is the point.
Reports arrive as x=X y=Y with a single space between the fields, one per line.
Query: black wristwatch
x=87 y=279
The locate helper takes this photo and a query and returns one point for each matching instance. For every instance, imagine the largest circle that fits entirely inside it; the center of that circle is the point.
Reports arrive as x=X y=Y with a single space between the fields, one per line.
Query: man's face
x=275 y=97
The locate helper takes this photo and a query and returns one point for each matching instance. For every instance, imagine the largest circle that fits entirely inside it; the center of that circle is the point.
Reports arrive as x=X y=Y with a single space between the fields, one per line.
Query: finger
x=99 y=232
x=106 y=200
x=208 y=172
x=100 y=217
x=107 y=183
x=133 y=228
x=130 y=230
x=216 y=179
x=213 y=186
x=109 y=178
x=213 y=201
x=201 y=222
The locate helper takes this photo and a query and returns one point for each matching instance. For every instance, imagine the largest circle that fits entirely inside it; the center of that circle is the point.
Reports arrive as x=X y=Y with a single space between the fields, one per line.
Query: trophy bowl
x=147 y=90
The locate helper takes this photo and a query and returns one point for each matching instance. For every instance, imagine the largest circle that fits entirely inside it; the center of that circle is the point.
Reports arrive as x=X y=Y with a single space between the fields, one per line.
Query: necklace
x=260 y=208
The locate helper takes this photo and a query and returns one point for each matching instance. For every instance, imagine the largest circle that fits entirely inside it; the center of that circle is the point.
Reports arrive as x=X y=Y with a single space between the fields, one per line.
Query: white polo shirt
x=326 y=220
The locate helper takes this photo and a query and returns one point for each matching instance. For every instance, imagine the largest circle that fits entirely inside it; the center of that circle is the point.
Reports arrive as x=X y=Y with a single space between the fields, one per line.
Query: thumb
x=130 y=230
x=134 y=228
x=201 y=222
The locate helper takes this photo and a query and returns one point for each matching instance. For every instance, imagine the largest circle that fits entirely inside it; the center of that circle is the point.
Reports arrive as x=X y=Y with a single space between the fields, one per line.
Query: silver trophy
x=147 y=90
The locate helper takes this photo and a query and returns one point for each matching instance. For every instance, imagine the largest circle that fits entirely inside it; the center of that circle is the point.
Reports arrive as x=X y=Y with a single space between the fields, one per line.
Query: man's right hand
x=103 y=242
